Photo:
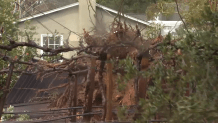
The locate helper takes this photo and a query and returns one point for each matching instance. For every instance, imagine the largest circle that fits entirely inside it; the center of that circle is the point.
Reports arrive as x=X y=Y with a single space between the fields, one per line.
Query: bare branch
x=32 y=44
x=177 y=7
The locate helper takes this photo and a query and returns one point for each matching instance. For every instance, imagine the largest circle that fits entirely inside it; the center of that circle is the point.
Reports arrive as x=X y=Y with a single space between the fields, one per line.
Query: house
x=70 y=21
x=167 y=23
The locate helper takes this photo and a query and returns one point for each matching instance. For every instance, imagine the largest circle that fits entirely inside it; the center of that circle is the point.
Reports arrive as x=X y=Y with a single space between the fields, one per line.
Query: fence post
x=109 y=89
x=91 y=80
x=75 y=99
x=102 y=88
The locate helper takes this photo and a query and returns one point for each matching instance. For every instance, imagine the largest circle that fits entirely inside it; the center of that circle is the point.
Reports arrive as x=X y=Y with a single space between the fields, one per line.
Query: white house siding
x=67 y=18
x=70 y=18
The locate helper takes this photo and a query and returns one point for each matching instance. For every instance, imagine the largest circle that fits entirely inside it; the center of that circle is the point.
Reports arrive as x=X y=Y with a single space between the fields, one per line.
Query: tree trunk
x=91 y=80
x=70 y=80
x=6 y=89
x=142 y=87
x=73 y=119
x=109 y=90
x=136 y=84
x=136 y=87
x=102 y=87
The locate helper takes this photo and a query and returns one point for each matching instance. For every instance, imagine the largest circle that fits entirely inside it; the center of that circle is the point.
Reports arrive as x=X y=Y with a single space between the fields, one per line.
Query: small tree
x=9 y=33
x=185 y=75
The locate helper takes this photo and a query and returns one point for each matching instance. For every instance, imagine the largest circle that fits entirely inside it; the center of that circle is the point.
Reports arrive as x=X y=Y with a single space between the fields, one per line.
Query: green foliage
x=130 y=69
x=122 y=112
x=165 y=7
x=196 y=8
x=197 y=67
x=6 y=117
x=153 y=31
x=9 y=24
x=23 y=117
x=199 y=70
x=187 y=9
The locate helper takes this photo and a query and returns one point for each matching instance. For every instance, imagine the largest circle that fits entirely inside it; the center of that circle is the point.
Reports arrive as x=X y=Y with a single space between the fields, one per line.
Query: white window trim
x=50 y=35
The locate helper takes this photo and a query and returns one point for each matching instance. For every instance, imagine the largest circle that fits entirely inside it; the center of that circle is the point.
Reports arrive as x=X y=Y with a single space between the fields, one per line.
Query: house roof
x=125 y=15
x=140 y=16
x=76 y=4
x=167 y=23
x=28 y=84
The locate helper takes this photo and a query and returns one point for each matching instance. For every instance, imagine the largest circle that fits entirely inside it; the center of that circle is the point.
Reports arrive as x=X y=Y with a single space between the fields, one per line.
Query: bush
x=6 y=117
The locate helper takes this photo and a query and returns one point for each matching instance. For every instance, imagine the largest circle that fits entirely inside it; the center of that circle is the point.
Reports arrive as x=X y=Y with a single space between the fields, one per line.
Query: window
x=50 y=41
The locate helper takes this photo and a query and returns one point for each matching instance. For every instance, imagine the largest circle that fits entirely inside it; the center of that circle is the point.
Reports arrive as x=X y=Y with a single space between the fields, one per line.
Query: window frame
x=50 y=35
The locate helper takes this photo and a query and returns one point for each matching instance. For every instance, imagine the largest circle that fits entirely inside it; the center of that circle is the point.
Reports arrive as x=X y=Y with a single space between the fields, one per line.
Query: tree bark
x=109 y=89
x=74 y=99
x=188 y=90
x=70 y=80
x=91 y=80
x=136 y=84
x=6 y=89
x=102 y=87
x=142 y=87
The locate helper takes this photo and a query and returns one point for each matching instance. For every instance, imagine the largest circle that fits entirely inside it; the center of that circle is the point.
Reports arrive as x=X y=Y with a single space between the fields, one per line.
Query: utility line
x=92 y=113
x=57 y=22
x=36 y=19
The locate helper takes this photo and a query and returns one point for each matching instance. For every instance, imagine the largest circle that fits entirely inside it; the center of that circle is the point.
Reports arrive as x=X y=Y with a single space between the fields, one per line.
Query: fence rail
x=100 y=112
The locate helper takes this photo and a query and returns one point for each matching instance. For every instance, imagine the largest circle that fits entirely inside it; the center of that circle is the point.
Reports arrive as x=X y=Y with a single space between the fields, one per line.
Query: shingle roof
x=28 y=84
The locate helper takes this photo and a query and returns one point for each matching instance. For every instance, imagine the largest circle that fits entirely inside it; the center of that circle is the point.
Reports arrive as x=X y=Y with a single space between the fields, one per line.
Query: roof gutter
x=127 y=16
x=49 y=12
x=76 y=4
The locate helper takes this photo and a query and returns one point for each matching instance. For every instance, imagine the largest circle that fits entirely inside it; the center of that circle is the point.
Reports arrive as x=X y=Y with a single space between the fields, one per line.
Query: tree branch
x=177 y=7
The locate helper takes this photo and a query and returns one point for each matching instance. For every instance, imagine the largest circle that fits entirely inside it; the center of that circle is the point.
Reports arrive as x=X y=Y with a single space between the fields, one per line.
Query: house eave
x=49 y=12
x=167 y=23
x=76 y=4
x=124 y=15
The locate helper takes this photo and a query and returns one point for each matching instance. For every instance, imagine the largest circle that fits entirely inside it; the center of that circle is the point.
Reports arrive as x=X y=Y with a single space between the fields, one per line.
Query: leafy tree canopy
x=9 y=31
x=184 y=79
